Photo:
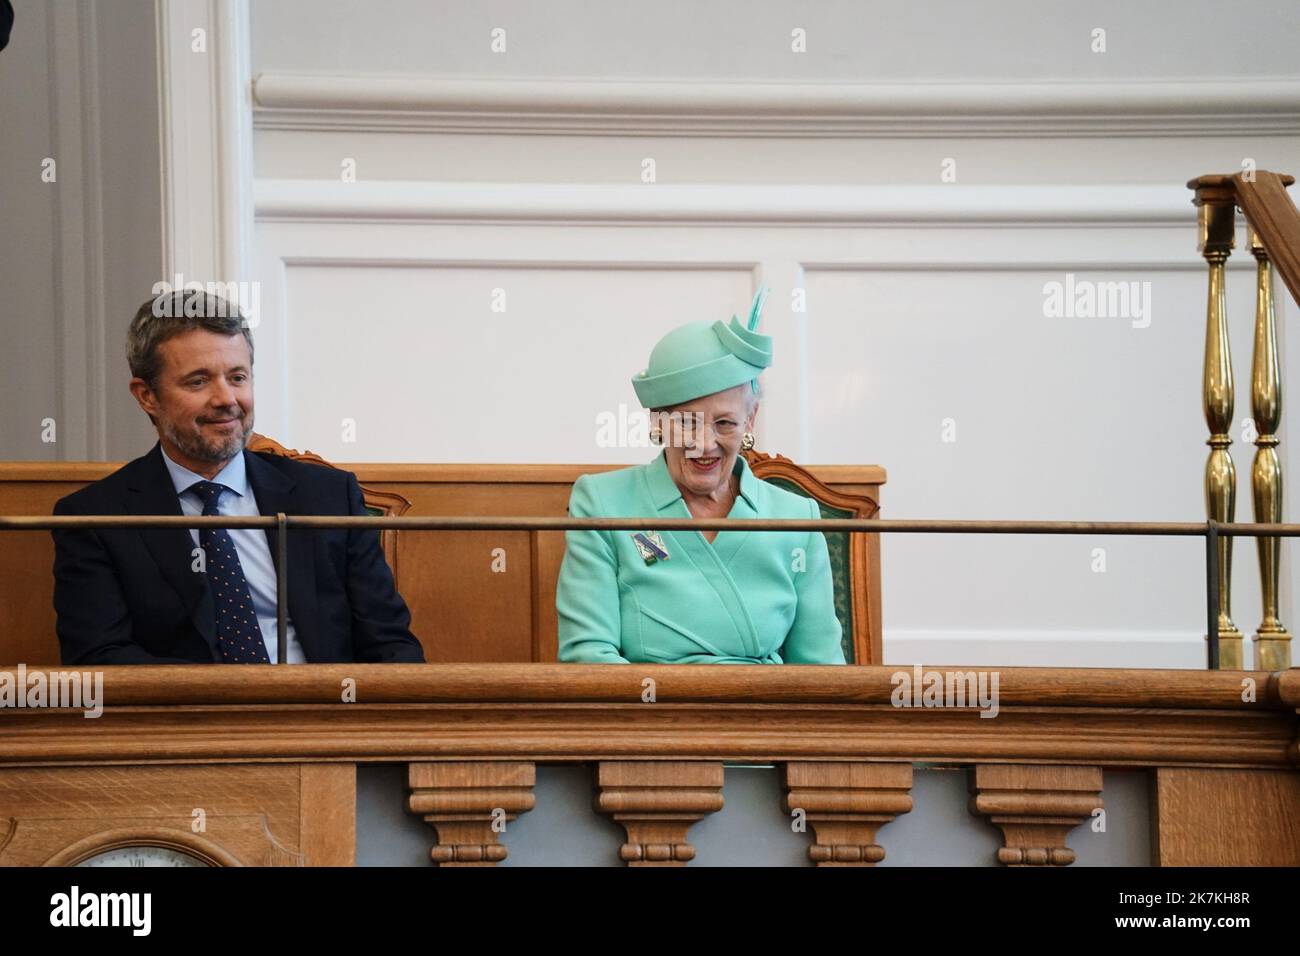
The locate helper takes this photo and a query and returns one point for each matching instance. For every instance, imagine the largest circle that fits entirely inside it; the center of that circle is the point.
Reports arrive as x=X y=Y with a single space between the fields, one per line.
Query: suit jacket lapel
x=274 y=493
x=151 y=492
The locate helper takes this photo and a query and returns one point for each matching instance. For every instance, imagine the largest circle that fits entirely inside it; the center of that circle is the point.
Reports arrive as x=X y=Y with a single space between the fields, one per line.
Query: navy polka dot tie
x=239 y=638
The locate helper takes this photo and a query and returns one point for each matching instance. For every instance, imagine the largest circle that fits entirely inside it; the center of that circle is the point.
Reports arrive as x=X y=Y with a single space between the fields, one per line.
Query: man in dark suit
x=179 y=596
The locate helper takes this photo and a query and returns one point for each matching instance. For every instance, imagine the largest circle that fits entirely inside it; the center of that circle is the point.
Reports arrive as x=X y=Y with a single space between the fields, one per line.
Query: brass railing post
x=1216 y=212
x=1272 y=642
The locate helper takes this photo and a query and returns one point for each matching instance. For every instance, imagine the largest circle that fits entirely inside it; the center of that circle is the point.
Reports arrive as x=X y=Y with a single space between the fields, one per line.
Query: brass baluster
x=1215 y=219
x=1272 y=642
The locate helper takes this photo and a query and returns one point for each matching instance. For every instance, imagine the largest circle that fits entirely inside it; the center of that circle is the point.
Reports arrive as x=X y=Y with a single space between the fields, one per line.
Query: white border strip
x=818 y=205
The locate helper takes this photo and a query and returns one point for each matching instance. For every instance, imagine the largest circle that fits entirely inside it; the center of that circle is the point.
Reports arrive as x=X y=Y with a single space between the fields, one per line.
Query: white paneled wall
x=484 y=180
x=81 y=244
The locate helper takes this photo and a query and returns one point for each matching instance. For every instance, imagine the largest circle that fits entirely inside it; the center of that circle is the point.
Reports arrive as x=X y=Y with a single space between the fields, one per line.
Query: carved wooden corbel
x=469 y=804
x=846 y=804
x=1035 y=807
x=656 y=802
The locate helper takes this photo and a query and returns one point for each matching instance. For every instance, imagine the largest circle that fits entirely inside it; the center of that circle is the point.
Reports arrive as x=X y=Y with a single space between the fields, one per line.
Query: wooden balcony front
x=307 y=765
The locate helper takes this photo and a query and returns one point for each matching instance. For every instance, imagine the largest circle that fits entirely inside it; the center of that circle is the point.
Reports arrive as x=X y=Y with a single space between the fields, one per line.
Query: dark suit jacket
x=128 y=596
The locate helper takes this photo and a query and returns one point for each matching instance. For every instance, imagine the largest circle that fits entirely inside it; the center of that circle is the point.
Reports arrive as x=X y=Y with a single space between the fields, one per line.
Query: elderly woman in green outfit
x=678 y=597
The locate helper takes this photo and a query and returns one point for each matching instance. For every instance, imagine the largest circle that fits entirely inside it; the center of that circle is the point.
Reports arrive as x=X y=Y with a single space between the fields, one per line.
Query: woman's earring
x=747 y=441
x=656 y=436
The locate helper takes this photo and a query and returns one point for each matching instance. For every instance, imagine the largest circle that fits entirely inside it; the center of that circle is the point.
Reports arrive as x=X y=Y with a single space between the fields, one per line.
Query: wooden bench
x=462 y=610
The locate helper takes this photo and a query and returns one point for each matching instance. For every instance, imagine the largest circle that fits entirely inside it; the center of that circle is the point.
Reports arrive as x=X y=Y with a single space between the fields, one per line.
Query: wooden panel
x=548 y=555
x=1209 y=817
x=27 y=617
x=328 y=802
x=461 y=609
x=234 y=814
x=27 y=567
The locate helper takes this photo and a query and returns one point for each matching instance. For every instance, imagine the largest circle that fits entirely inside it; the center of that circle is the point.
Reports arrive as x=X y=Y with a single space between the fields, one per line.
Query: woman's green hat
x=700 y=358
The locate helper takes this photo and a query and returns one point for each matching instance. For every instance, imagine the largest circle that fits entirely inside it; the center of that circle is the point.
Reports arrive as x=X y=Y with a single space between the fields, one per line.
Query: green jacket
x=749 y=597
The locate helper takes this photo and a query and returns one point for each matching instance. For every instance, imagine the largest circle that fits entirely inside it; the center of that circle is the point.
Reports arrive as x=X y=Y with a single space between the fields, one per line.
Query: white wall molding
x=721 y=204
x=205 y=139
x=458 y=104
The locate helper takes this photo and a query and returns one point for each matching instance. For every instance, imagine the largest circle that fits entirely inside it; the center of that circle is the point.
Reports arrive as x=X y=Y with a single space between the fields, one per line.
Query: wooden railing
x=1273 y=236
x=281 y=745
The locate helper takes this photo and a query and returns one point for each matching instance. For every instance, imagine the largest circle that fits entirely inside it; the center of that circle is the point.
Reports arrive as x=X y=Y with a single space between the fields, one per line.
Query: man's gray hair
x=170 y=314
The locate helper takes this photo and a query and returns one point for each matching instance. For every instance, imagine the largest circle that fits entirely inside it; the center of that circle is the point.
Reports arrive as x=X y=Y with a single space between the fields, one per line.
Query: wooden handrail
x=573 y=712
x=1271 y=213
x=211 y=684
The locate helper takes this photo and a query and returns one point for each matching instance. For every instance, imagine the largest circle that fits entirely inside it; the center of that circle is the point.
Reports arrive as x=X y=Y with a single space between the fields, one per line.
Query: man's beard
x=195 y=446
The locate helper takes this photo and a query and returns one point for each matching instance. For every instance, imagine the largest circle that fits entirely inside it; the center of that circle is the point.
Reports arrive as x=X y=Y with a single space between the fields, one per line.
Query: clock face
x=142 y=856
